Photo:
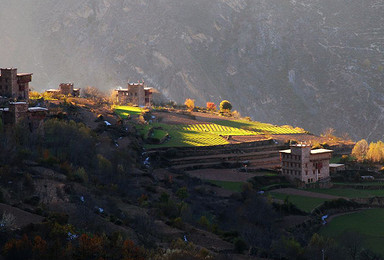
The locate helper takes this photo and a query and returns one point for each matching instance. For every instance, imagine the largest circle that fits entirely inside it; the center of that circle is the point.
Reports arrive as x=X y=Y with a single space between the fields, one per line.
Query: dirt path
x=307 y=193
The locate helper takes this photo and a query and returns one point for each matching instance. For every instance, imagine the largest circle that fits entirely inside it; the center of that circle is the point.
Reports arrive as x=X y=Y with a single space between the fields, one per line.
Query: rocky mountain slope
x=309 y=63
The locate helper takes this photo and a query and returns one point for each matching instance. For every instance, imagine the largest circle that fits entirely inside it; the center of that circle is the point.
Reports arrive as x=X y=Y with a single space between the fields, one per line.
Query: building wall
x=8 y=82
x=66 y=88
x=13 y=85
x=134 y=94
x=302 y=165
x=320 y=165
x=17 y=111
x=148 y=97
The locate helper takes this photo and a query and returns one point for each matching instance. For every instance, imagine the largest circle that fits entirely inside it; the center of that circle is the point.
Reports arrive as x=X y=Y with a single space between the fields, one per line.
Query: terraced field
x=208 y=132
x=216 y=129
x=259 y=128
x=180 y=137
x=351 y=193
x=304 y=203
x=211 y=134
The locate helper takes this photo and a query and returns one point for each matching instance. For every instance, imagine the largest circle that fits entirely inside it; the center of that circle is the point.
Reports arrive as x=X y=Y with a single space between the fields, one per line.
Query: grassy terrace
x=229 y=185
x=306 y=204
x=258 y=127
x=207 y=134
x=125 y=111
x=214 y=129
x=180 y=136
x=350 y=193
x=369 y=223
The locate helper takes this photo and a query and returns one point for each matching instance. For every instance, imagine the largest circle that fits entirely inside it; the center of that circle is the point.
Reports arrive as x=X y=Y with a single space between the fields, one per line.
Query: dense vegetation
x=101 y=196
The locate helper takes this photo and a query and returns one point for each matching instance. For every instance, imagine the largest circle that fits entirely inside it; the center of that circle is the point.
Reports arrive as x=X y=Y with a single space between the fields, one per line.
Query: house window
x=306 y=172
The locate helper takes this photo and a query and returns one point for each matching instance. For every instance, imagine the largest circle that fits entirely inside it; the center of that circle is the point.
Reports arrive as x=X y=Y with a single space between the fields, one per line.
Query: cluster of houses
x=299 y=163
x=14 y=91
x=14 y=97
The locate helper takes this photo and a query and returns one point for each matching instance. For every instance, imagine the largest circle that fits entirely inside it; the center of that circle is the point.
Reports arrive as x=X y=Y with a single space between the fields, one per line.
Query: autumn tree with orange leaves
x=190 y=103
x=211 y=106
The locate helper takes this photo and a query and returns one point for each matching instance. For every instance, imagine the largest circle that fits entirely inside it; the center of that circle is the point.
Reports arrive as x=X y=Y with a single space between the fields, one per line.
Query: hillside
x=311 y=63
x=96 y=180
x=83 y=183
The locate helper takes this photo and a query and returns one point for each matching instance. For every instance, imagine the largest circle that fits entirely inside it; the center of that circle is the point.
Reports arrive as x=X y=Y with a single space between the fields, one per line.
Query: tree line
x=374 y=152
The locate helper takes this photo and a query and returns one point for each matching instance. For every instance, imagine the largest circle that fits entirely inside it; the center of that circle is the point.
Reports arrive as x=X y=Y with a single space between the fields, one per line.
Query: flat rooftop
x=36 y=109
x=315 y=151
x=336 y=165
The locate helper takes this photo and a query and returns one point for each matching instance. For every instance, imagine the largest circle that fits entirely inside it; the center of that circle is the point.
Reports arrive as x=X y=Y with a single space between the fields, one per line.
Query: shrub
x=182 y=193
x=204 y=222
x=178 y=223
x=236 y=114
x=34 y=95
x=80 y=175
x=190 y=103
x=240 y=245
x=211 y=106
x=225 y=105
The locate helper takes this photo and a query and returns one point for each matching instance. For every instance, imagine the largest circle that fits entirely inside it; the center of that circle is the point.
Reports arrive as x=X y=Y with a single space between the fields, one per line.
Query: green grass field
x=361 y=184
x=350 y=193
x=182 y=137
x=159 y=134
x=229 y=185
x=125 y=111
x=306 y=204
x=369 y=223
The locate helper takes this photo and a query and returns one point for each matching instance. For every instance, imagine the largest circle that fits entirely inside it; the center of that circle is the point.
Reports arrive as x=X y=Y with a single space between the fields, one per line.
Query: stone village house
x=65 y=89
x=15 y=86
x=135 y=93
x=304 y=164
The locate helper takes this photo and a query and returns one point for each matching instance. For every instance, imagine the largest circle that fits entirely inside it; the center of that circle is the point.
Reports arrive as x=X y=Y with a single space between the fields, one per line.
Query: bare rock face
x=309 y=63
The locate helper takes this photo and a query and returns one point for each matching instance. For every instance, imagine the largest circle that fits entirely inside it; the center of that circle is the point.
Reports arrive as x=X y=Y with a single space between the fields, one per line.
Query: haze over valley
x=308 y=63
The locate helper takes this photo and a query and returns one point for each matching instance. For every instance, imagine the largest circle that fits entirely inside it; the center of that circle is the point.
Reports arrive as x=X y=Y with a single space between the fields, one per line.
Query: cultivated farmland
x=210 y=131
x=211 y=134
x=369 y=223
x=259 y=128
